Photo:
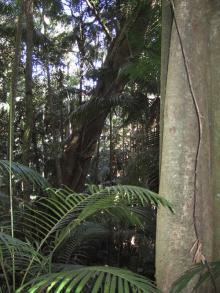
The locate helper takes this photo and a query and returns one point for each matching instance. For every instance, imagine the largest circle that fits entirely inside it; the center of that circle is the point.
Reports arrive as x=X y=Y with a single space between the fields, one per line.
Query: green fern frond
x=205 y=273
x=133 y=195
x=53 y=219
x=91 y=279
x=84 y=233
x=94 y=105
x=23 y=172
x=59 y=214
x=19 y=252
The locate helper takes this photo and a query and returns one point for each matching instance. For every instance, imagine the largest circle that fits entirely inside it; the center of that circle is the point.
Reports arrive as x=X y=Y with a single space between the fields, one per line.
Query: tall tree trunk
x=185 y=162
x=55 y=129
x=81 y=147
x=215 y=121
x=14 y=80
x=111 y=148
x=29 y=123
x=54 y=118
x=165 y=50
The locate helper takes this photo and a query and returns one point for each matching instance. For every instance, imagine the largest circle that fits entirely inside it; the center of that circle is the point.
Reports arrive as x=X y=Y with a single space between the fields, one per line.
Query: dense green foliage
x=68 y=58
x=79 y=59
x=84 y=104
x=51 y=229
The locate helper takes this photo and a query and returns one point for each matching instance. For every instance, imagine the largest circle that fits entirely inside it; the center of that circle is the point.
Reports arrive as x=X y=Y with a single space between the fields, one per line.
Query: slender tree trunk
x=111 y=148
x=36 y=156
x=123 y=148
x=81 y=46
x=14 y=80
x=215 y=121
x=180 y=164
x=55 y=119
x=29 y=116
x=165 y=50
x=97 y=158
x=55 y=129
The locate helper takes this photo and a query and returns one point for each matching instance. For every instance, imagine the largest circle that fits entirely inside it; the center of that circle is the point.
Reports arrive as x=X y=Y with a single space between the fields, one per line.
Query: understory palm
x=54 y=225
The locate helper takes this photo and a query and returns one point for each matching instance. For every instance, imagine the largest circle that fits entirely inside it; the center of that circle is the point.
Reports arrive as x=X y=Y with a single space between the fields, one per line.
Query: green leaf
x=22 y=172
x=98 y=283
x=107 y=279
x=208 y=272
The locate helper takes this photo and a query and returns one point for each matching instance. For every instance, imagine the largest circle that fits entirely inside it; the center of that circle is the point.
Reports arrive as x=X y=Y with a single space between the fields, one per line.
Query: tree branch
x=98 y=17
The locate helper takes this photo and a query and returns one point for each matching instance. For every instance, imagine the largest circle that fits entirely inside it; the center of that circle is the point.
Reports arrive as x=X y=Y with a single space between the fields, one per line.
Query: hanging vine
x=196 y=249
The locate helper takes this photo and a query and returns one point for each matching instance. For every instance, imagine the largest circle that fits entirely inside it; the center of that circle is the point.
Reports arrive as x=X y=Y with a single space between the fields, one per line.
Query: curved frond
x=23 y=172
x=56 y=216
x=92 y=279
x=126 y=101
x=20 y=253
x=84 y=233
x=67 y=210
x=133 y=195
x=205 y=273
x=53 y=219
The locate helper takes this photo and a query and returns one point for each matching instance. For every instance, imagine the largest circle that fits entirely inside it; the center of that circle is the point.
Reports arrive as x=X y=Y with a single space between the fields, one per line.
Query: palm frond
x=132 y=195
x=20 y=253
x=205 y=273
x=56 y=216
x=90 y=108
x=127 y=102
x=53 y=219
x=92 y=279
x=82 y=235
x=22 y=172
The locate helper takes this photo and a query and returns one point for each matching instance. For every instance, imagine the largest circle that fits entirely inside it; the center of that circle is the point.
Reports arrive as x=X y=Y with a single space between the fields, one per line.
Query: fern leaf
x=22 y=172
x=107 y=279
x=207 y=273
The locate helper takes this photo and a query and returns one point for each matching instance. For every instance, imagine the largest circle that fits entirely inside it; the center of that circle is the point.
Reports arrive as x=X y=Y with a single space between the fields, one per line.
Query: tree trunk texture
x=14 y=81
x=81 y=147
x=29 y=116
x=166 y=21
x=215 y=121
x=55 y=125
x=193 y=205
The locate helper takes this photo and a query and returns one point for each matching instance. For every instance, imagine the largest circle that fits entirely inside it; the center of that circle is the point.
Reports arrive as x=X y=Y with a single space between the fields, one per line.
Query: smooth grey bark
x=215 y=121
x=176 y=233
x=165 y=50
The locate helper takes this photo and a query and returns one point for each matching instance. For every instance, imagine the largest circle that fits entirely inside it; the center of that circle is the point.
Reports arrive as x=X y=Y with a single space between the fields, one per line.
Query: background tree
x=29 y=115
x=122 y=48
x=78 y=49
x=82 y=61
